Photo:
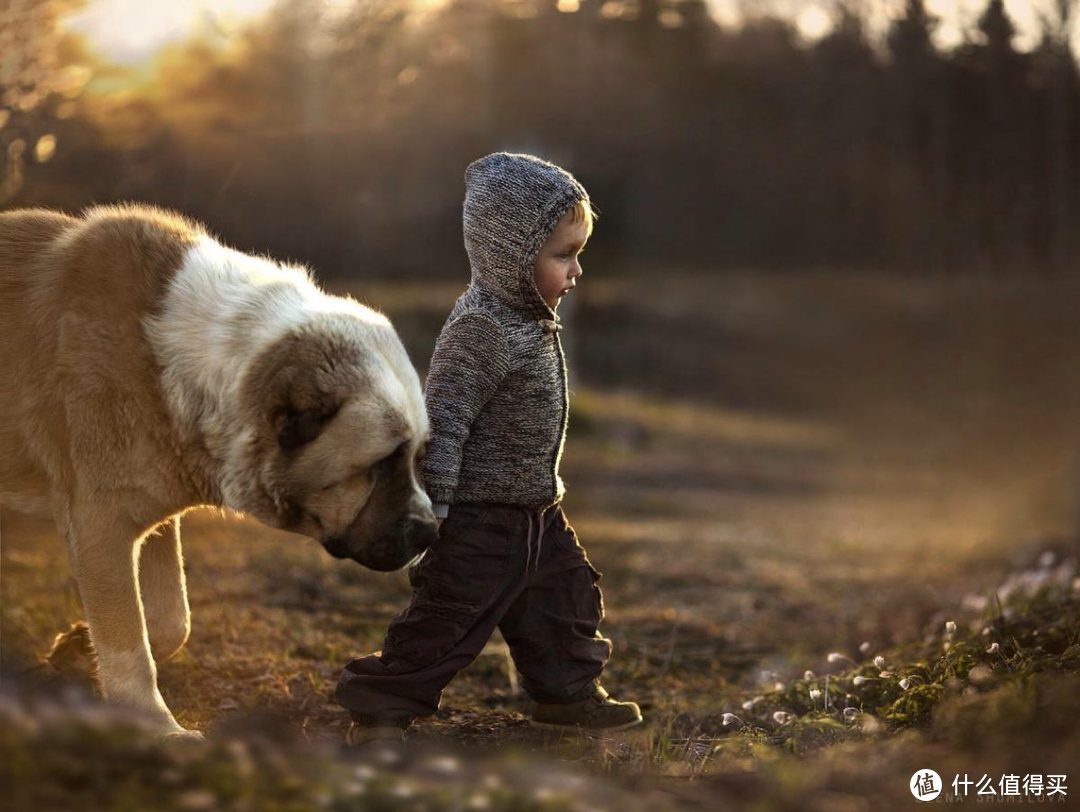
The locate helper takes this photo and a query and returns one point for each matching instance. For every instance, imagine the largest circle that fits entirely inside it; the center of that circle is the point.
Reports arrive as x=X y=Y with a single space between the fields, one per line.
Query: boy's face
x=557 y=268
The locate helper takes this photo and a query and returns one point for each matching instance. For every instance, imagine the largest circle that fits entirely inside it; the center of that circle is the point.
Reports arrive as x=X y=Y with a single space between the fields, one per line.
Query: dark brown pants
x=493 y=565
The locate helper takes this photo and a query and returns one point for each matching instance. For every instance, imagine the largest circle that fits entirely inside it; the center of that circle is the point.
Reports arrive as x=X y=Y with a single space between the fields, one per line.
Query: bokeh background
x=825 y=365
x=904 y=135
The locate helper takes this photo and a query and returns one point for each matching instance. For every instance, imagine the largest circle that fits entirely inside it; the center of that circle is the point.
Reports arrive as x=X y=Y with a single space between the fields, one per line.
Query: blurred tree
x=920 y=126
x=1058 y=75
x=846 y=131
x=997 y=30
x=909 y=35
x=337 y=134
x=1006 y=213
x=36 y=82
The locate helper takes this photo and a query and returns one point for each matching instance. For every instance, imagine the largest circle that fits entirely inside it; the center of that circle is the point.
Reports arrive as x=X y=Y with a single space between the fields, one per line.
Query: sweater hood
x=512 y=204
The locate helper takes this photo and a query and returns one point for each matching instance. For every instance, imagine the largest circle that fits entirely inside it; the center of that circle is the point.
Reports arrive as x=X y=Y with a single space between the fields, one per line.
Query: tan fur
x=107 y=426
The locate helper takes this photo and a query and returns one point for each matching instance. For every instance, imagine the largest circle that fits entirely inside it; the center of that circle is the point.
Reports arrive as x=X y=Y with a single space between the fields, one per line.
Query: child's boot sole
x=583 y=729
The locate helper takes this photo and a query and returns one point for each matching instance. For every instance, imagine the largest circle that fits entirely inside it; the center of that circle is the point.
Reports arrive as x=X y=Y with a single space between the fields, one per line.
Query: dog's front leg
x=102 y=551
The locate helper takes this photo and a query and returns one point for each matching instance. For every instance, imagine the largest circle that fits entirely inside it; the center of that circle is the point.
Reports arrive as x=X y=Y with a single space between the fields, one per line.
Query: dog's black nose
x=420 y=534
x=337 y=546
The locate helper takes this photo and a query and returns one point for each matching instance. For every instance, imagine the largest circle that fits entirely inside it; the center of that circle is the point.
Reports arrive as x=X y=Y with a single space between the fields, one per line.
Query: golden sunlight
x=813 y=22
x=131 y=31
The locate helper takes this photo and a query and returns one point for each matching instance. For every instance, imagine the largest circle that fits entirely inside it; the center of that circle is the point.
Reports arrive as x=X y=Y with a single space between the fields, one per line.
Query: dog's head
x=341 y=431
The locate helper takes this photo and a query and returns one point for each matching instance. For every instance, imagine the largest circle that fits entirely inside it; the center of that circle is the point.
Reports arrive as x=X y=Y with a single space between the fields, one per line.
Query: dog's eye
x=387 y=463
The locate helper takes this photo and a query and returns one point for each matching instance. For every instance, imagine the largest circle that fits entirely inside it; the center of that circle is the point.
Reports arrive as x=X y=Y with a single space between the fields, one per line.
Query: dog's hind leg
x=102 y=549
x=164 y=591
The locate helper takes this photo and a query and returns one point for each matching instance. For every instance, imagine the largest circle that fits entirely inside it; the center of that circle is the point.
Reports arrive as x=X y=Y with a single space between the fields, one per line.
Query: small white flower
x=986 y=631
x=879 y=662
x=905 y=683
x=815 y=694
x=973 y=602
x=835 y=657
x=748 y=704
x=778 y=686
x=730 y=719
x=864 y=647
x=993 y=648
x=782 y=717
x=859 y=680
x=808 y=675
x=885 y=674
x=950 y=627
x=850 y=714
x=445 y=765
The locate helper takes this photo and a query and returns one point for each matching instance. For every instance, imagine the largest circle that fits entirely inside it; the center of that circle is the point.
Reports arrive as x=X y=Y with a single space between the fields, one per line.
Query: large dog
x=147 y=369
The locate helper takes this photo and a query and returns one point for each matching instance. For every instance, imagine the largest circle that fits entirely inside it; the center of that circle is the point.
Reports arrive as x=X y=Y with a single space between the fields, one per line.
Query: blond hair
x=583 y=211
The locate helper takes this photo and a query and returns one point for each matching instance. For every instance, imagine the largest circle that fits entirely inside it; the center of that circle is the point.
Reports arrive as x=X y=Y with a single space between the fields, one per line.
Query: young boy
x=497 y=401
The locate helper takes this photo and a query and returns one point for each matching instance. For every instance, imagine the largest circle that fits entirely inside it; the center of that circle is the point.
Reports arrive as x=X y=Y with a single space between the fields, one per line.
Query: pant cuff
x=553 y=699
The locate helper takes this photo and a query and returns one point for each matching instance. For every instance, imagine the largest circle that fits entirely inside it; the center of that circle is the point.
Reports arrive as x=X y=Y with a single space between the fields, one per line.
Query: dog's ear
x=296 y=428
x=302 y=409
x=297 y=386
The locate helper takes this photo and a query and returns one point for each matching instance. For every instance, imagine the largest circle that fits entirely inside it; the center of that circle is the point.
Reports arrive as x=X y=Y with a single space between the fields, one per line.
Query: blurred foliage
x=40 y=74
x=335 y=133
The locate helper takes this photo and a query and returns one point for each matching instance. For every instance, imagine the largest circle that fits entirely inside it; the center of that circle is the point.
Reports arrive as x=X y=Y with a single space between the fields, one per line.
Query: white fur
x=205 y=336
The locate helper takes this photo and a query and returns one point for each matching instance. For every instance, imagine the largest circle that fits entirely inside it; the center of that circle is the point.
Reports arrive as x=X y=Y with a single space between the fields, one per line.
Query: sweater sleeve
x=471 y=359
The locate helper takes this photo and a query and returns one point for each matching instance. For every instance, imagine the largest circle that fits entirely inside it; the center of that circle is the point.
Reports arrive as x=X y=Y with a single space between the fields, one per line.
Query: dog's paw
x=183 y=735
x=72 y=652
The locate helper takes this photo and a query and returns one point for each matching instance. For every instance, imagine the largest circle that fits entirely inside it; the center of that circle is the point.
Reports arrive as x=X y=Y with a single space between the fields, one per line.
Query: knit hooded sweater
x=496 y=391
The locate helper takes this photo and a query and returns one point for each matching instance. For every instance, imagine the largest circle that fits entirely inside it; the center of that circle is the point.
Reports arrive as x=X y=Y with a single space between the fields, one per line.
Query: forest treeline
x=340 y=137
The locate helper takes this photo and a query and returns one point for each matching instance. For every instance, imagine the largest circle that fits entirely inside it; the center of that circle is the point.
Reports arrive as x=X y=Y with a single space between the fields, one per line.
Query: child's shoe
x=382 y=741
x=598 y=712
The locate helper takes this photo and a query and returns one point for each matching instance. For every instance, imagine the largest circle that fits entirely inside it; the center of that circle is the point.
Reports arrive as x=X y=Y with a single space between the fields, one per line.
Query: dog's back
x=73 y=293
x=23 y=234
x=26 y=237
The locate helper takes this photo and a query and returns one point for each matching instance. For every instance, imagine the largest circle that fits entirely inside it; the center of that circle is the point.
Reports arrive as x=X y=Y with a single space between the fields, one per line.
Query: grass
x=746 y=530
x=1006 y=707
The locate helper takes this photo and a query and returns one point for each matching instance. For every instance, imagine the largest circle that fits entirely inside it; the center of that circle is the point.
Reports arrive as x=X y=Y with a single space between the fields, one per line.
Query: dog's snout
x=388 y=548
